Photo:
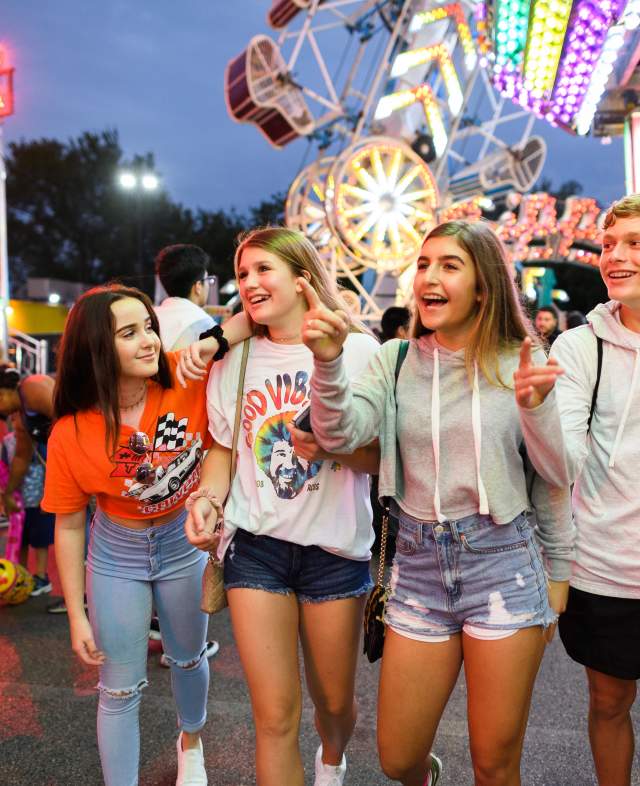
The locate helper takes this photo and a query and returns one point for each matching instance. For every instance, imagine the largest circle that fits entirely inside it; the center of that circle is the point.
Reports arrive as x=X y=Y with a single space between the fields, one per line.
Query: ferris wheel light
x=453 y=10
x=384 y=202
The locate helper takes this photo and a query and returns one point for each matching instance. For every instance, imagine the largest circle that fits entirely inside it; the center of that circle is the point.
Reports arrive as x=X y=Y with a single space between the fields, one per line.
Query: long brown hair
x=500 y=322
x=299 y=253
x=88 y=367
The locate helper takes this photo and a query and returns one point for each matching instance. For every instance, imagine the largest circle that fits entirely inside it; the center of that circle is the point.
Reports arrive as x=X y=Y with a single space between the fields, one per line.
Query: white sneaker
x=329 y=774
x=191 y=771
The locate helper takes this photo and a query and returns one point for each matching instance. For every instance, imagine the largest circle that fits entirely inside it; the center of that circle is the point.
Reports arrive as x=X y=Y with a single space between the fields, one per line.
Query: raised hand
x=534 y=383
x=323 y=331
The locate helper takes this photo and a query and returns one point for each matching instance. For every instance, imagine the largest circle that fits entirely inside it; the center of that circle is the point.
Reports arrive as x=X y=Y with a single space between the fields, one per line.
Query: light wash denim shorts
x=471 y=574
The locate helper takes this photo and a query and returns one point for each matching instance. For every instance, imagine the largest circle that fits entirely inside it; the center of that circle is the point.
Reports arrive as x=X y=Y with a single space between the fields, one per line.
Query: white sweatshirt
x=181 y=322
x=605 y=462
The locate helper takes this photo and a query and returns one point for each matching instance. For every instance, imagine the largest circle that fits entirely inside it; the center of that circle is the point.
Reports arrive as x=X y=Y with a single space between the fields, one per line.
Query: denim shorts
x=273 y=565
x=470 y=574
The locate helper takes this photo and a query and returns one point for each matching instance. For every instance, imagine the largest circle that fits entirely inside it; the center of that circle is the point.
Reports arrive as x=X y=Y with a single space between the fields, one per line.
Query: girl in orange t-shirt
x=129 y=434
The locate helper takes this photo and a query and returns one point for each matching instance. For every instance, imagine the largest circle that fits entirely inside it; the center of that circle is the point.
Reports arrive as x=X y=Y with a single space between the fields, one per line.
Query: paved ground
x=47 y=717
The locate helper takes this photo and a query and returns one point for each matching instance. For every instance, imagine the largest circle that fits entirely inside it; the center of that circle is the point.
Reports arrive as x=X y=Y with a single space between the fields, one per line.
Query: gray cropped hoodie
x=448 y=449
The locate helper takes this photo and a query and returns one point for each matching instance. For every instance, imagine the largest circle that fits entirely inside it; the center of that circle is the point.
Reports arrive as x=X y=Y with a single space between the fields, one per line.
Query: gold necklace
x=138 y=401
x=284 y=339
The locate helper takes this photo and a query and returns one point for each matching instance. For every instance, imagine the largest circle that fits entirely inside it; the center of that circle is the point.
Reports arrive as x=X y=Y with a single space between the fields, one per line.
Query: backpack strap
x=402 y=354
x=594 y=396
x=386 y=501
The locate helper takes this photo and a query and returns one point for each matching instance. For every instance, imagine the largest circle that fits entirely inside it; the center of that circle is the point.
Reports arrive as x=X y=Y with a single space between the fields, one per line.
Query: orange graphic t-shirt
x=174 y=420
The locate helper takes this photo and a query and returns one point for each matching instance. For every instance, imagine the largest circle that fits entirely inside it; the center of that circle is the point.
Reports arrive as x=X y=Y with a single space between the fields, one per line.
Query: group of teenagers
x=477 y=438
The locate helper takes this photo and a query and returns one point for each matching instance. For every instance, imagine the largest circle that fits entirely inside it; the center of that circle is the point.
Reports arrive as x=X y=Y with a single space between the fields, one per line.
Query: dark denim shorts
x=313 y=574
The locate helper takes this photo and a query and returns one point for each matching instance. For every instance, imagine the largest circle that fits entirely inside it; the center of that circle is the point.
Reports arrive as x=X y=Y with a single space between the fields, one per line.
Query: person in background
x=575 y=319
x=30 y=400
x=183 y=272
x=395 y=323
x=182 y=269
x=546 y=324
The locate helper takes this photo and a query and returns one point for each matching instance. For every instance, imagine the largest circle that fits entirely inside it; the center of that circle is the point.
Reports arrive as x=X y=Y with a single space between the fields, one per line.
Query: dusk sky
x=153 y=69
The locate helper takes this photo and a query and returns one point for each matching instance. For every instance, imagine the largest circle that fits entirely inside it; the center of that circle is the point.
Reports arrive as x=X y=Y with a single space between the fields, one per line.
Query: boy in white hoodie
x=601 y=626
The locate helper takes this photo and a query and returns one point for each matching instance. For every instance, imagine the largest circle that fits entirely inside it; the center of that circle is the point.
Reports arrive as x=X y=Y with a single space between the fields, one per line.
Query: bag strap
x=236 y=424
x=384 y=529
x=594 y=397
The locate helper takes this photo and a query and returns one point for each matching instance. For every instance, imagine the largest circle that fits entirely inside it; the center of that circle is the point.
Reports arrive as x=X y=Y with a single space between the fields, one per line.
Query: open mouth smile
x=434 y=301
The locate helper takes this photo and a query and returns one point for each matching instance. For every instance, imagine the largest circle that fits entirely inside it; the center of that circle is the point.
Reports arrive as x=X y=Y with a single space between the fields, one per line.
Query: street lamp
x=138 y=181
x=6 y=109
x=127 y=180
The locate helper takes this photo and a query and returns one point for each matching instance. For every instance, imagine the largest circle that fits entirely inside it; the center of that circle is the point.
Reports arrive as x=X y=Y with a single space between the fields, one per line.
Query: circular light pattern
x=305 y=210
x=382 y=203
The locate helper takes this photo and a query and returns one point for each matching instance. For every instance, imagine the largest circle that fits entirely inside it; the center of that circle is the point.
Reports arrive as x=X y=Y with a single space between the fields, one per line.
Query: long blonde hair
x=296 y=251
x=500 y=322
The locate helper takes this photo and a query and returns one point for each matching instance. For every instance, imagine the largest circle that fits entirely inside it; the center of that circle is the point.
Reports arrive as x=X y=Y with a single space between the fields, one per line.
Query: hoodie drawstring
x=435 y=436
x=435 y=431
x=477 y=440
x=627 y=407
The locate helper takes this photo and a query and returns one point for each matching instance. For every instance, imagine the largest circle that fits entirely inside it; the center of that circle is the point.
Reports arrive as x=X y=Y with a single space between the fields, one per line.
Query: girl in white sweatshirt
x=468 y=583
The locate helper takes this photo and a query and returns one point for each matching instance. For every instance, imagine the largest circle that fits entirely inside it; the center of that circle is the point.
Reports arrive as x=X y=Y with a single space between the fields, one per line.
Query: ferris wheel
x=400 y=119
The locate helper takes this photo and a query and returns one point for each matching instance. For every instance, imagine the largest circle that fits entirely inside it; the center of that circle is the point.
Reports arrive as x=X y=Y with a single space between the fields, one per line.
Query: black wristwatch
x=223 y=344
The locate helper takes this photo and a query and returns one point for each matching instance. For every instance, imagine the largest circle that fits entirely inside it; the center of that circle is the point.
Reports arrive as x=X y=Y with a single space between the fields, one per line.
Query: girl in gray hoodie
x=468 y=583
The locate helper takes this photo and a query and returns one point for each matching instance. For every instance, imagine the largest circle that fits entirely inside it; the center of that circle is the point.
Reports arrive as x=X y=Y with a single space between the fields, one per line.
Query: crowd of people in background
x=504 y=446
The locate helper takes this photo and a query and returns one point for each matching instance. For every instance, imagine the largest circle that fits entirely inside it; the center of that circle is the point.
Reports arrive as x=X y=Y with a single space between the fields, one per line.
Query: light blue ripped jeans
x=129 y=572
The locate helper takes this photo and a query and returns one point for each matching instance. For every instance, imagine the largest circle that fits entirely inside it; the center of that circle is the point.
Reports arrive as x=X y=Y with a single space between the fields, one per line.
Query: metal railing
x=29 y=354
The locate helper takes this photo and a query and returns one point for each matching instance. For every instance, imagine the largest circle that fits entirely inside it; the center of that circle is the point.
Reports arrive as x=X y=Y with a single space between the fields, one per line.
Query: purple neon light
x=586 y=34
x=584 y=40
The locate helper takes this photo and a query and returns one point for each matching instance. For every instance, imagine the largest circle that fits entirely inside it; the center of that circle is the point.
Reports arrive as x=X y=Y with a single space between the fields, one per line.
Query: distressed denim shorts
x=313 y=574
x=472 y=574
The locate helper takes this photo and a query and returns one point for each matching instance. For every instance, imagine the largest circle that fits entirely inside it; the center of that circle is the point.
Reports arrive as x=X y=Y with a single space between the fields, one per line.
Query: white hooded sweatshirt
x=604 y=462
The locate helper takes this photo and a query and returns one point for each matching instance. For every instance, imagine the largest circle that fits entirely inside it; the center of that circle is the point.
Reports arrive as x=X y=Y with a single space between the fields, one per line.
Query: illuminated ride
x=418 y=111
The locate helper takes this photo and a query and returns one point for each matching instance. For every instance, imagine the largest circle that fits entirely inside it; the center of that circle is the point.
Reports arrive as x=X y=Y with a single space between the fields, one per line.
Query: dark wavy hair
x=88 y=367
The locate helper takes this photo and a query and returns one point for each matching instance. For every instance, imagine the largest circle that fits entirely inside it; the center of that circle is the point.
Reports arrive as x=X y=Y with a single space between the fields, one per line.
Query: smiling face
x=268 y=290
x=620 y=261
x=136 y=344
x=445 y=289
